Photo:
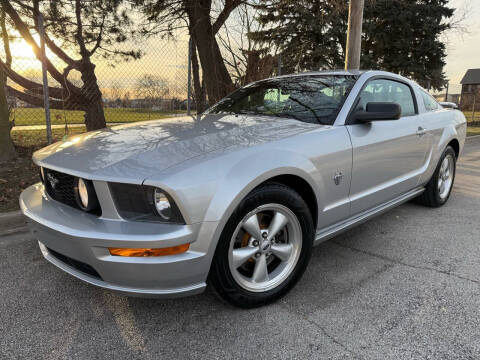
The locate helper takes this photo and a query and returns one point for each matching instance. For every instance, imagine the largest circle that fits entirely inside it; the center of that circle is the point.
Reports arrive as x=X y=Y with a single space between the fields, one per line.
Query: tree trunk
x=198 y=89
x=94 y=115
x=218 y=82
x=7 y=150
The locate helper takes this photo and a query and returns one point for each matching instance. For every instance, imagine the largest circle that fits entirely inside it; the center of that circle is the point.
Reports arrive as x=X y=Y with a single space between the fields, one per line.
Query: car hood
x=132 y=152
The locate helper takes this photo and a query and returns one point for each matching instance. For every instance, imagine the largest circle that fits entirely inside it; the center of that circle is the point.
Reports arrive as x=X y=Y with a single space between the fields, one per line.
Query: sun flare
x=21 y=50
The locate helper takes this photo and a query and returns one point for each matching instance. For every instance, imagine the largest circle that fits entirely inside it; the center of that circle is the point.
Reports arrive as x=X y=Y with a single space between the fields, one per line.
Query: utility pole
x=446 y=92
x=44 y=78
x=189 y=76
x=354 y=35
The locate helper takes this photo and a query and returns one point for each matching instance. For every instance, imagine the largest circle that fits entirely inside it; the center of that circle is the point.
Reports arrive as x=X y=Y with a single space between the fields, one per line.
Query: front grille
x=78 y=265
x=60 y=187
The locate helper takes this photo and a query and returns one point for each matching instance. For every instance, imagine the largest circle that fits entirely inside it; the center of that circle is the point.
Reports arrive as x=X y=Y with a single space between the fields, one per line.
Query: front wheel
x=440 y=185
x=264 y=248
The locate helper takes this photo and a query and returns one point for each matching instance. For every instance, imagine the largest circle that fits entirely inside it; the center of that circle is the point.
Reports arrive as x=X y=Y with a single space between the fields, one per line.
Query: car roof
x=322 y=72
x=357 y=73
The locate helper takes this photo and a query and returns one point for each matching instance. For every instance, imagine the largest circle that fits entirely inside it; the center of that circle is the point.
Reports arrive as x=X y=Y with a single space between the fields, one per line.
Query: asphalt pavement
x=405 y=285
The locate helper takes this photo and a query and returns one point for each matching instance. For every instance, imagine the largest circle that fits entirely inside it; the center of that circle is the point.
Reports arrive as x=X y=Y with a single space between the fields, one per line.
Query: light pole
x=354 y=35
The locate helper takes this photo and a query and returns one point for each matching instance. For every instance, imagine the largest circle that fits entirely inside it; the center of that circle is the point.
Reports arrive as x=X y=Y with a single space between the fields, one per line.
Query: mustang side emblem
x=337 y=178
x=52 y=180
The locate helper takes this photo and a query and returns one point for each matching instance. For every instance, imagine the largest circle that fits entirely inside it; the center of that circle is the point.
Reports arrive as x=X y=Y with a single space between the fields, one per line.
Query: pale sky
x=169 y=60
x=463 y=50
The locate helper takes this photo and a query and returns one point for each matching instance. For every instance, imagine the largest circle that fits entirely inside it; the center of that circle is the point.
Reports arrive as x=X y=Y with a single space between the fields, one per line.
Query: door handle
x=421 y=131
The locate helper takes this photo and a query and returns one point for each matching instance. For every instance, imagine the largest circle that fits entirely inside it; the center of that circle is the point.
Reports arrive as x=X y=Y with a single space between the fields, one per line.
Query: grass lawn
x=36 y=116
x=474 y=130
x=468 y=115
x=38 y=138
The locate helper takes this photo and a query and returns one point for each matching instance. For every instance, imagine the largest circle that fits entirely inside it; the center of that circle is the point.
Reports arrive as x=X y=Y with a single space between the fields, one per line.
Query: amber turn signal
x=174 y=250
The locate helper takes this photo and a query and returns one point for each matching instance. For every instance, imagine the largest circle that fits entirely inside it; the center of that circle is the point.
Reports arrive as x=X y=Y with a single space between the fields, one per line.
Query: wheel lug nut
x=257 y=255
x=264 y=235
x=255 y=243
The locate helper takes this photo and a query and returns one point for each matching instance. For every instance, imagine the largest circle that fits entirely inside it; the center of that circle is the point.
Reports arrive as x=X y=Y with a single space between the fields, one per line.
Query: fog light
x=85 y=194
x=173 y=250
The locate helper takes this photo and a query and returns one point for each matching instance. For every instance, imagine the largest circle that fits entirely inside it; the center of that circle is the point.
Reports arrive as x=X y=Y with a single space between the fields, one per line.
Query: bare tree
x=7 y=150
x=203 y=18
x=84 y=28
x=152 y=88
x=246 y=59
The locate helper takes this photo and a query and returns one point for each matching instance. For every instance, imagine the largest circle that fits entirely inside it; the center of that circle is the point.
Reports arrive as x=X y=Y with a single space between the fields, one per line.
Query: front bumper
x=77 y=242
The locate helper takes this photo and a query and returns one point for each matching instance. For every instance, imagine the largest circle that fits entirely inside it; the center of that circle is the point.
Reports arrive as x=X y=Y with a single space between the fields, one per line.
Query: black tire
x=431 y=196
x=220 y=274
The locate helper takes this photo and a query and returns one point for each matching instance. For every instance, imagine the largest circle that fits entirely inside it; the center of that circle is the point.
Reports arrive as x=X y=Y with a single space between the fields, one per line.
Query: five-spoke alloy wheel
x=264 y=247
x=445 y=176
x=440 y=185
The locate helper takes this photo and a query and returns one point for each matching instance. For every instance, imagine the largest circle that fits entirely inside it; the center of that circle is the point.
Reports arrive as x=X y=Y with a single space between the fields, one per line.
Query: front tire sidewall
x=439 y=200
x=220 y=274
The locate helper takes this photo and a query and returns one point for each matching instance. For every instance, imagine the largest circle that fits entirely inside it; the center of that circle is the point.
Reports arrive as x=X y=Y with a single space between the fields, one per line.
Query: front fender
x=249 y=172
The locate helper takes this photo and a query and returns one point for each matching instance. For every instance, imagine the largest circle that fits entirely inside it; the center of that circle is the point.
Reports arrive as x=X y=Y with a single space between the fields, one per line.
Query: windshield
x=313 y=99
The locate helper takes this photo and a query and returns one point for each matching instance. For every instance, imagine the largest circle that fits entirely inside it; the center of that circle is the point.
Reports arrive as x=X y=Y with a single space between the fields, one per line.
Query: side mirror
x=379 y=111
x=449 y=105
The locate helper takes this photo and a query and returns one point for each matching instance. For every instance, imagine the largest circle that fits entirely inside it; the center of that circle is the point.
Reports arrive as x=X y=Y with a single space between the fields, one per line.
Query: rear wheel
x=264 y=248
x=440 y=185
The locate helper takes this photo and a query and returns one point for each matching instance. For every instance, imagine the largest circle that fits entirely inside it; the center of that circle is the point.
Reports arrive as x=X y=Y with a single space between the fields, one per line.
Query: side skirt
x=335 y=229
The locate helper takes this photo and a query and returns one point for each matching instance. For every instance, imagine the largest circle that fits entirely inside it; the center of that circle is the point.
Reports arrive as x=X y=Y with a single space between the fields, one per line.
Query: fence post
x=473 y=110
x=46 y=102
x=189 y=75
x=279 y=70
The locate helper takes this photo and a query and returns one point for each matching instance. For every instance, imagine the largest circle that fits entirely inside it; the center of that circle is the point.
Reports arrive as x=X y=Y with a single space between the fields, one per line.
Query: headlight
x=85 y=195
x=145 y=203
x=164 y=209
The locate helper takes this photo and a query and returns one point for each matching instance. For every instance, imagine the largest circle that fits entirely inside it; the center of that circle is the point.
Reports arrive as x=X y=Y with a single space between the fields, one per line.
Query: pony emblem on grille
x=52 y=180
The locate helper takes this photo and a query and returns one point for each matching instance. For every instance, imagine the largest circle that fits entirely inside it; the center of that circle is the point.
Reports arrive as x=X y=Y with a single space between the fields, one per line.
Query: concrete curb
x=12 y=222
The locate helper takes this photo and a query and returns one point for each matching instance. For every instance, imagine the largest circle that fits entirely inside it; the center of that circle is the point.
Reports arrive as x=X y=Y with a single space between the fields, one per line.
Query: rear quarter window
x=429 y=102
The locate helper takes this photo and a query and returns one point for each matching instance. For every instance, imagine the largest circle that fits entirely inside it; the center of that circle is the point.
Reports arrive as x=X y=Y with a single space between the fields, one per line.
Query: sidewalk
x=62 y=126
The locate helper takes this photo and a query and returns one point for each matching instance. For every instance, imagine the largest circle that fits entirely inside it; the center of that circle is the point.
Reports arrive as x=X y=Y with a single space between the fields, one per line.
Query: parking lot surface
x=405 y=285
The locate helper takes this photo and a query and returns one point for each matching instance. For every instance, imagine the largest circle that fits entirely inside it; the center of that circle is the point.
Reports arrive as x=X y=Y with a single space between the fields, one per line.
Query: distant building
x=470 y=89
x=155 y=104
x=454 y=98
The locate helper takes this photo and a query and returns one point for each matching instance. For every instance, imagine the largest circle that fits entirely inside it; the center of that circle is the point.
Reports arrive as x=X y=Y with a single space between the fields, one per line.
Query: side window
x=382 y=90
x=430 y=103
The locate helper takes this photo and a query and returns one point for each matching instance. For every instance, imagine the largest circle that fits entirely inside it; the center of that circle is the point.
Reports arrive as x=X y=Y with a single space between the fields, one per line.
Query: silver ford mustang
x=238 y=196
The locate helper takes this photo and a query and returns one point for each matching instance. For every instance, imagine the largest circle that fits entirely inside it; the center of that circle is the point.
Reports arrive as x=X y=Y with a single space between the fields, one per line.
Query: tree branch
x=6 y=42
x=230 y=5
x=27 y=36
x=49 y=42
x=99 y=37
x=78 y=14
x=38 y=101
x=28 y=84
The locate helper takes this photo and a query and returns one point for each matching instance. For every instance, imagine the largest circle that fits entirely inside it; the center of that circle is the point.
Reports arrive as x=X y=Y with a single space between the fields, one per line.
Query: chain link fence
x=466 y=97
x=152 y=87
